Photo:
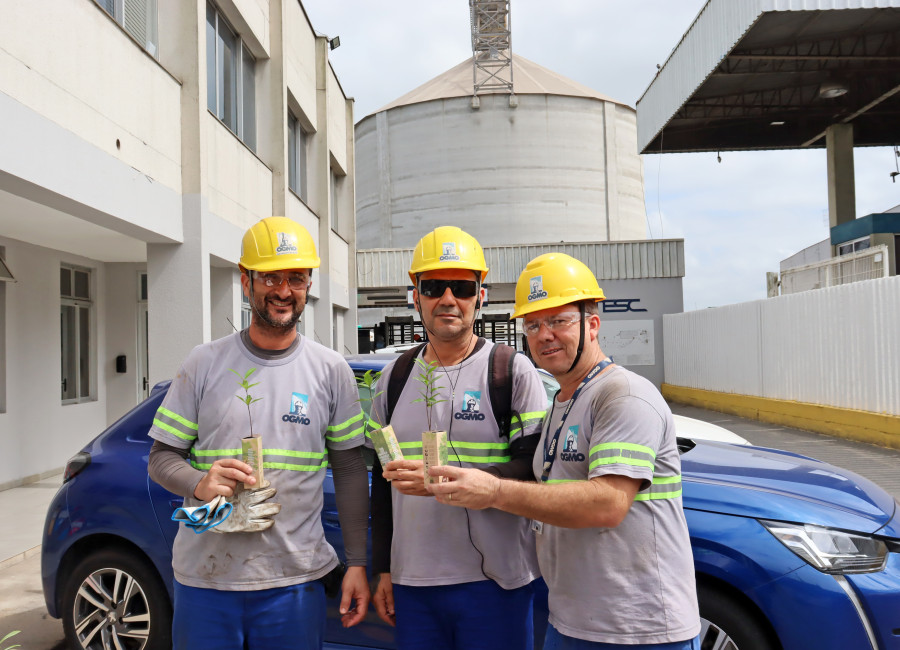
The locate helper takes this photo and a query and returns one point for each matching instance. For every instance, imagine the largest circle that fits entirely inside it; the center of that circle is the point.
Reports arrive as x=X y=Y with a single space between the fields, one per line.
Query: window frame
x=298 y=158
x=244 y=100
x=81 y=307
x=151 y=10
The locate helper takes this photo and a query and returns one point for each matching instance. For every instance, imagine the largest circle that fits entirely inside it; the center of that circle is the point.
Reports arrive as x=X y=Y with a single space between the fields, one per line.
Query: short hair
x=591 y=307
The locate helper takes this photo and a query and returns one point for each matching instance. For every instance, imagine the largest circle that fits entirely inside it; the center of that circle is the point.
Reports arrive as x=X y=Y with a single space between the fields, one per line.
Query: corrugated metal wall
x=657 y=258
x=837 y=346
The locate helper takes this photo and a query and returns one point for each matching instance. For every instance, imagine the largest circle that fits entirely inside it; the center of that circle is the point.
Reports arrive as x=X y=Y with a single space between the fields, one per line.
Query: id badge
x=537 y=526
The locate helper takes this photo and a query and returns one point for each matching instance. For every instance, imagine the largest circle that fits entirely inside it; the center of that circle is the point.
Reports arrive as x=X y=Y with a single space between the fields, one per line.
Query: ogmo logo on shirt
x=299 y=409
x=470 y=407
x=570 y=446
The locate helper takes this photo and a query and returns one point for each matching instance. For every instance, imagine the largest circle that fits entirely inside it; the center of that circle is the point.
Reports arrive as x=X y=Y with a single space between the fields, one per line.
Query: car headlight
x=829 y=550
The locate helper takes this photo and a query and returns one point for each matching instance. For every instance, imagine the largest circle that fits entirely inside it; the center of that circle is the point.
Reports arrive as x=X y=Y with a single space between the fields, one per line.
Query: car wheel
x=114 y=600
x=726 y=624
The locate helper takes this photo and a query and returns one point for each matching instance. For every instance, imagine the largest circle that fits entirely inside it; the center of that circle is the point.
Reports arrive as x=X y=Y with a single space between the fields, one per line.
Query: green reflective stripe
x=344 y=425
x=216 y=452
x=412 y=457
x=660 y=495
x=293 y=454
x=410 y=445
x=352 y=434
x=480 y=445
x=201 y=465
x=175 y=432
x=625 y=453
x=174 y=416
x=477 y=459
x=296 y=468
x=525 y=421
x=624 y=460
x=563 y=480
x=624 y=446
x=663 y=487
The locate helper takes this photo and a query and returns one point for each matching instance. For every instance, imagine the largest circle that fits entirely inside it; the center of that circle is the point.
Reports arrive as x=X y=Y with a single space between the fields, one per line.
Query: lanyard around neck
x=550 y=450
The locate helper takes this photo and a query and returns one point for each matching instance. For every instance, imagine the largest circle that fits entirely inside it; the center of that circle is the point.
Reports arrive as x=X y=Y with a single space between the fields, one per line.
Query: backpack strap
x=500 y=374
x=399 y=375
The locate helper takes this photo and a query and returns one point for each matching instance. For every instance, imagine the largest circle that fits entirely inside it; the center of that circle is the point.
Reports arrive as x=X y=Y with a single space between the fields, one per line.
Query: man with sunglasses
x=449 y=578
x=612 y=538
x=261 y=584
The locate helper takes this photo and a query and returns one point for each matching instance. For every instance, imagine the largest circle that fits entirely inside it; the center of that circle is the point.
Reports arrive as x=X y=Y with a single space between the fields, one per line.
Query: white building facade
x=140 y=140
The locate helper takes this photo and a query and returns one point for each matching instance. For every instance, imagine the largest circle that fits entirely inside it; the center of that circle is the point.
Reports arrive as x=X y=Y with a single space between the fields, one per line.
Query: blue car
x=790 y=552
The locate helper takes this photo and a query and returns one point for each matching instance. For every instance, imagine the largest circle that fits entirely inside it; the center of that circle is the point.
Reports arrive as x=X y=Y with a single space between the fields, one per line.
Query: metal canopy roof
x=748 y=74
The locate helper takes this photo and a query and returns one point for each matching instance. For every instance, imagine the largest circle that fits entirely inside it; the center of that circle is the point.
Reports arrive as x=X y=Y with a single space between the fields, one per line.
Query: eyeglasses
x=459 y=288
x=553 y=323
x=295 y=280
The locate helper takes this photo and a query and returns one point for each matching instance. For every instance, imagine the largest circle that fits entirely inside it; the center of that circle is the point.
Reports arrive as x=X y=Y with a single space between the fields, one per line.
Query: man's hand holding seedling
x=222 y=478
x=407 y=477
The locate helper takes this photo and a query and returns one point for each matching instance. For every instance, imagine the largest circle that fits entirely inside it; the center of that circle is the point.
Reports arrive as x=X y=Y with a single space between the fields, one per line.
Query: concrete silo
x=562 y=165
x=553 y=167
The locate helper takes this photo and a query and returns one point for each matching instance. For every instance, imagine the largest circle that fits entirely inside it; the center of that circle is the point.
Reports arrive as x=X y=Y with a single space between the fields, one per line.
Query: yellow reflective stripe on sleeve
x=533 y=415
x=344 y=425
x=626 y=446
x=658 y=495
x=563 y=480
x=624 y=460
x=352 y=434
x=175 y=432
x=625 y=453
x=526 y=421
x=174 y=416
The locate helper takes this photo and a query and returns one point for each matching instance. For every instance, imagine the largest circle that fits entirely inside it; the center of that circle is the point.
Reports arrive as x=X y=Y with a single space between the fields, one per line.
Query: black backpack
x=500 y=371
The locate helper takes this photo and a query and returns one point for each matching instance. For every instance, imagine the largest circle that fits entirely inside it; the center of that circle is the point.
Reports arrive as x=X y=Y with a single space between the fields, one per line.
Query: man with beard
x=605 y=497
x=259 y=585
x=449 y=578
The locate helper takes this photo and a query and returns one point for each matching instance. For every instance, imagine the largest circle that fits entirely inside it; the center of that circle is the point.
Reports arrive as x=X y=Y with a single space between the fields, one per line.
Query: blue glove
x=202 y=518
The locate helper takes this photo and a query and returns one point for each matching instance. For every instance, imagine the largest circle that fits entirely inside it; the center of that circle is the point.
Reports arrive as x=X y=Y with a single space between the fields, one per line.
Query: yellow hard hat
x=447 y=247
x=552 y=280
x=276 y=244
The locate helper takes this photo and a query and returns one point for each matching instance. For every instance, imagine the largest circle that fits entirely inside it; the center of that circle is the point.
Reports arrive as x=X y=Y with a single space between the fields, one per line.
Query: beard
x=280 y=322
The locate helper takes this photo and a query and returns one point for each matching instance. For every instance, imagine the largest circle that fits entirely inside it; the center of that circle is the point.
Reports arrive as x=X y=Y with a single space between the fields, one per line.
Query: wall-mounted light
x=334 y=43
x=831 y=89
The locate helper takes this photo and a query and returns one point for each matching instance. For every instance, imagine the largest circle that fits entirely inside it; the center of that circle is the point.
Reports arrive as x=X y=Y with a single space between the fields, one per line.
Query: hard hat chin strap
x=580 y=338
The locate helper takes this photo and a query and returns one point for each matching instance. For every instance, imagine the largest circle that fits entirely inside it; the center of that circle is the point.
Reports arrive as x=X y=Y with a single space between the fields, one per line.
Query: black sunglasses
x=459 y=288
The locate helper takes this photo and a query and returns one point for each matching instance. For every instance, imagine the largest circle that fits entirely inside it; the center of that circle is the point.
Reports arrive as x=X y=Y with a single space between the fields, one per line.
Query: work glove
x=202 y=518
x=250 y=511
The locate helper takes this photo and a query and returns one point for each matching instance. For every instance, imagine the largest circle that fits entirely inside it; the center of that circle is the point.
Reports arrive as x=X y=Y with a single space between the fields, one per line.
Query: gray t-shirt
x=632 y=584
x=309 y=402
x=431 y=544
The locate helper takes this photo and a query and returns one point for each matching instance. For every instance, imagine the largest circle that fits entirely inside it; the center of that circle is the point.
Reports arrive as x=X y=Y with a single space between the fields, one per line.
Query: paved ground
x=878 y=464
x=23 y=509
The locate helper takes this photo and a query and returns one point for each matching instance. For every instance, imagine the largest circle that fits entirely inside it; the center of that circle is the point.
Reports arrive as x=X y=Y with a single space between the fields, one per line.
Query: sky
x=739 y=217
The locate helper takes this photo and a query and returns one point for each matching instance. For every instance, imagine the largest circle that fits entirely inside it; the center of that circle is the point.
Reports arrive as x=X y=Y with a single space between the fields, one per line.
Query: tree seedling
x=434 y=443
x=247 y=398
x=251 y=448
x=384 y=440
x=429 y=388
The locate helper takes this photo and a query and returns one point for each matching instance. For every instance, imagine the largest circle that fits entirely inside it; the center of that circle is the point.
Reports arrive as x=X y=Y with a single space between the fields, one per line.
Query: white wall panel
x=836 y=346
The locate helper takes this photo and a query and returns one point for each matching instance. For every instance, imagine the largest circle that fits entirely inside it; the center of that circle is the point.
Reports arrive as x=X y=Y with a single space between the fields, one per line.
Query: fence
x=837 y=346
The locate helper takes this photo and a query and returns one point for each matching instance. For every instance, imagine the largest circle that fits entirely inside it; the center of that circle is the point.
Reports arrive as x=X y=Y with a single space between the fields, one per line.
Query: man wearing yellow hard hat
x=605 y=497
x=261 y=583
x=448 y=578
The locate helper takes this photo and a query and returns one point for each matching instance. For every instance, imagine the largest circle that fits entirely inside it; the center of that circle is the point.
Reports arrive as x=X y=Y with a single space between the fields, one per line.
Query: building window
x=336 y=184
x=245 y=311
x=230 y=78
x=297 y=139
x=138 y=18
x=75 y=331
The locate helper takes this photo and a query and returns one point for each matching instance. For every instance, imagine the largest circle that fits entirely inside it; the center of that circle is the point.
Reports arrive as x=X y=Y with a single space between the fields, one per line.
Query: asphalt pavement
x=23 y=509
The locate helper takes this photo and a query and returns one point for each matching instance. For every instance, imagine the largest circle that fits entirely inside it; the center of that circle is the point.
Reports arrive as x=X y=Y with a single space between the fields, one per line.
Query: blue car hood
x=771 y=484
